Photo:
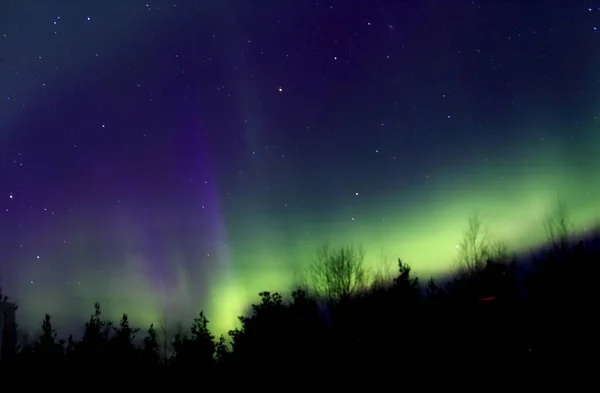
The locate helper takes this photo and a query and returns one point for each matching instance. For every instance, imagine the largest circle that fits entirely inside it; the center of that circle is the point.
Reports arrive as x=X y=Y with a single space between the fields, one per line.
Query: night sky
x=163 y=157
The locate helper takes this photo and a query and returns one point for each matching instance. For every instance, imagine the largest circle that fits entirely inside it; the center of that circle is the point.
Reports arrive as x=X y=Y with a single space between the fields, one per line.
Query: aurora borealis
x=166 y=157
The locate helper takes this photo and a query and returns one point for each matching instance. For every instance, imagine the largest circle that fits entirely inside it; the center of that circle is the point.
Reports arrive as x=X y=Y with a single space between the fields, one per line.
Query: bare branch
x=498 y=251
x=164 y=339
x=558 y=226
x=474 y=249
x=337 y=274
x=381 y=276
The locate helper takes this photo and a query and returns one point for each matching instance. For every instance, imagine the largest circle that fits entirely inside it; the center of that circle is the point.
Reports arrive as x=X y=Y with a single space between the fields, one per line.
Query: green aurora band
x=511 y=198
x=511 y=189
x=511 y=194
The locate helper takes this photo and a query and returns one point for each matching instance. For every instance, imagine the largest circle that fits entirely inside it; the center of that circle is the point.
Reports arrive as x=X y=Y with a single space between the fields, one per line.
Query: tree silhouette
x=499 y=310
x=199 y=348
x=222 y=352
x=48 y=349
x=477 y=247
x=381 y=276
x=71 y=351
x=337 y=274
x=202 y=339
x=3 y=297
x=293 y=333
x=150 y=352
x=405 y=287
x=558 y=226
x=474 y=248
x=433 y=291
x=259 y=334
x=93 y=333
x=164 y=340
x=9 y=345
x=123 y=349
x=92 y=350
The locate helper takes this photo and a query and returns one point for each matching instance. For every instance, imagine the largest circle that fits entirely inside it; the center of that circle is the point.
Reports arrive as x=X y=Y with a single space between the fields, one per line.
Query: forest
x=496 y=309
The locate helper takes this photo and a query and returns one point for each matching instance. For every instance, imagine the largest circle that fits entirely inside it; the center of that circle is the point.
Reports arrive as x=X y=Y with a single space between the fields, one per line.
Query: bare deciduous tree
x=479 y=247
x=558 y=226
x=337 y=273
x=381 y=276
x=498 y=251
x=474 y=248
x=164 y=339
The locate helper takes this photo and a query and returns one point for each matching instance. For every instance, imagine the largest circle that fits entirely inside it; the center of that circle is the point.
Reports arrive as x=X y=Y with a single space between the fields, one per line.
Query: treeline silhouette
x=491 y=311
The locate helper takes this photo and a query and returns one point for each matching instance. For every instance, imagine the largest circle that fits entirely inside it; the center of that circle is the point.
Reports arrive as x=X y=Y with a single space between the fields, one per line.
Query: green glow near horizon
x=534 y=178
x=511 y=187
x=265 y=254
